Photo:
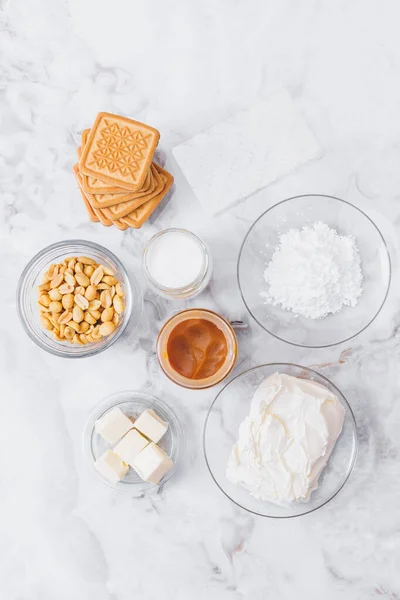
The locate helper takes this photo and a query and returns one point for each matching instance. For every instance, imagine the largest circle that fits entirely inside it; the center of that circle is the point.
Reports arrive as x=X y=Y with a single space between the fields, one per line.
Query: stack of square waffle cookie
x=119 y=182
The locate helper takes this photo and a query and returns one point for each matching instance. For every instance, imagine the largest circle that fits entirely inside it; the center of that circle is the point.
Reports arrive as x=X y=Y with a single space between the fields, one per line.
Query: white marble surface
x=183 y=66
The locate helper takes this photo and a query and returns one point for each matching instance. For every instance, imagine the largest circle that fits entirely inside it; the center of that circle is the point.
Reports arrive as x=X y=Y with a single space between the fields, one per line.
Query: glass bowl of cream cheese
x=280 y=440
x=314 y=271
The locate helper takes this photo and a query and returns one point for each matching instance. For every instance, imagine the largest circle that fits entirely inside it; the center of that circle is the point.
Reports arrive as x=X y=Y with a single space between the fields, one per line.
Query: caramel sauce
x=196 y=348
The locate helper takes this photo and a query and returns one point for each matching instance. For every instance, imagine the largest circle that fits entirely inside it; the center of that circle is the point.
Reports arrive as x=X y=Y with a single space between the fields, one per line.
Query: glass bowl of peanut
x=75 y=299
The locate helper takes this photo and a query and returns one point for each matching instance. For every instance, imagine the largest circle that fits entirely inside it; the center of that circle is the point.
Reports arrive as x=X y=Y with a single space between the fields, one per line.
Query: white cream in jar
x=177 y=263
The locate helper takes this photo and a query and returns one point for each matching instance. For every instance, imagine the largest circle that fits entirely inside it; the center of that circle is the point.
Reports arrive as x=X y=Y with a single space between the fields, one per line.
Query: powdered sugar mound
x=314 y=272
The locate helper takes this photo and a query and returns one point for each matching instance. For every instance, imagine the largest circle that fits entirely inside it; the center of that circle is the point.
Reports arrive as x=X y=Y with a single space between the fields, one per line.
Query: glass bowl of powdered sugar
x=314 y=271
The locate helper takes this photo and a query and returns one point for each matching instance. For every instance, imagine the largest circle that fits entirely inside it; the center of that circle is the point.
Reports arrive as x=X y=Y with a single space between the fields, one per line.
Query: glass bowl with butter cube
x=132 y=442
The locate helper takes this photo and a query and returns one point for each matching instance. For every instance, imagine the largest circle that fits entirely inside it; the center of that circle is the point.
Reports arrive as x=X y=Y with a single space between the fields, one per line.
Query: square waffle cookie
x=112 y=204
x=96 y=186
x=104 y=200
x=119 y=151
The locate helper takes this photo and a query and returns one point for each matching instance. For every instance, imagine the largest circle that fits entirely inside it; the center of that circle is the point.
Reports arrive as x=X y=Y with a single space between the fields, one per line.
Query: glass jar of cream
x=177 y=264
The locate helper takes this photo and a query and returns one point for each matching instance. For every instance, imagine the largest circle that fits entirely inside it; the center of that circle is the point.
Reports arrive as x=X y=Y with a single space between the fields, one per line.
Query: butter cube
x=113 y=425
x=151 y=425
x=111 y=466
x=130 y=446
x=152 y=463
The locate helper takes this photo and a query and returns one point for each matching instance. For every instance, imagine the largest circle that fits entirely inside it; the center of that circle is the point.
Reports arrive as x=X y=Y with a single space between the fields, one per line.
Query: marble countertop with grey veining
x=182 y=66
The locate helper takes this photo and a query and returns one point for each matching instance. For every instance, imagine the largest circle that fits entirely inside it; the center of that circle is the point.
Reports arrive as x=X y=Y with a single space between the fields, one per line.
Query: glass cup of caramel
x=197 y=348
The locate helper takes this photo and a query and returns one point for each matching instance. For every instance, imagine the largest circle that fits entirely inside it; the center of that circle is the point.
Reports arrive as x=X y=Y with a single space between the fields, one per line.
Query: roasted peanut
x=105 y=299
x=46 y=323
x=65 y=288
x=77 y=314
x=110 y=280
x=96 y=335
x=67 y=301
x=68 y=333
x=70 y=279
x=85 y=260
x=88 y=270
x=80 y=301
x=51 y=272
x=55 y=294
x=97 y=276
x=94 y=305
x=89 y=318
x=84 y=326
x=45 y=300
x=55 y=307
x=82 y=279
x=90 y=292
x=107 y=314
x=74 y=325
x=95 y=313
x=53 y=321
x=118 y=304
x=107 y=270
x=57 y=281
x=65 y=317
x=106 y=328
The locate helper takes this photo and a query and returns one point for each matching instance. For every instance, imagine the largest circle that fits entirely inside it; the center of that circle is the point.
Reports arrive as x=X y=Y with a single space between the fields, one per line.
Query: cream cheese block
x=130 y=446
x=286 y=441
x=152 y=463
x=151 y=425
x=113 y=425
x=111 y=466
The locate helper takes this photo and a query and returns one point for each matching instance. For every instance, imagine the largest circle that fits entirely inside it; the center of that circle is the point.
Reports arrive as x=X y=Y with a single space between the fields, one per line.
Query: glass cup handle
x=239 y=324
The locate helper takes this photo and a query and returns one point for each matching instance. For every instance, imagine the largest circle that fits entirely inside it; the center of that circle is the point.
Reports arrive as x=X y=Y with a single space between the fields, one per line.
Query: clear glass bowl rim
x=319 y=345
x=342 y=399
x=89 y=350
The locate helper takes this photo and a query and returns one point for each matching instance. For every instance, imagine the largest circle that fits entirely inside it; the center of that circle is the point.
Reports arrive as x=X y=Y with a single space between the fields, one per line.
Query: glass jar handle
x=239 y=325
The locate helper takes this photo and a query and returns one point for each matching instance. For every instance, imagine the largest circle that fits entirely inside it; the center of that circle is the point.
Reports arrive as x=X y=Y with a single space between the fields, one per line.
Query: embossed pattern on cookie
x=119 y=151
